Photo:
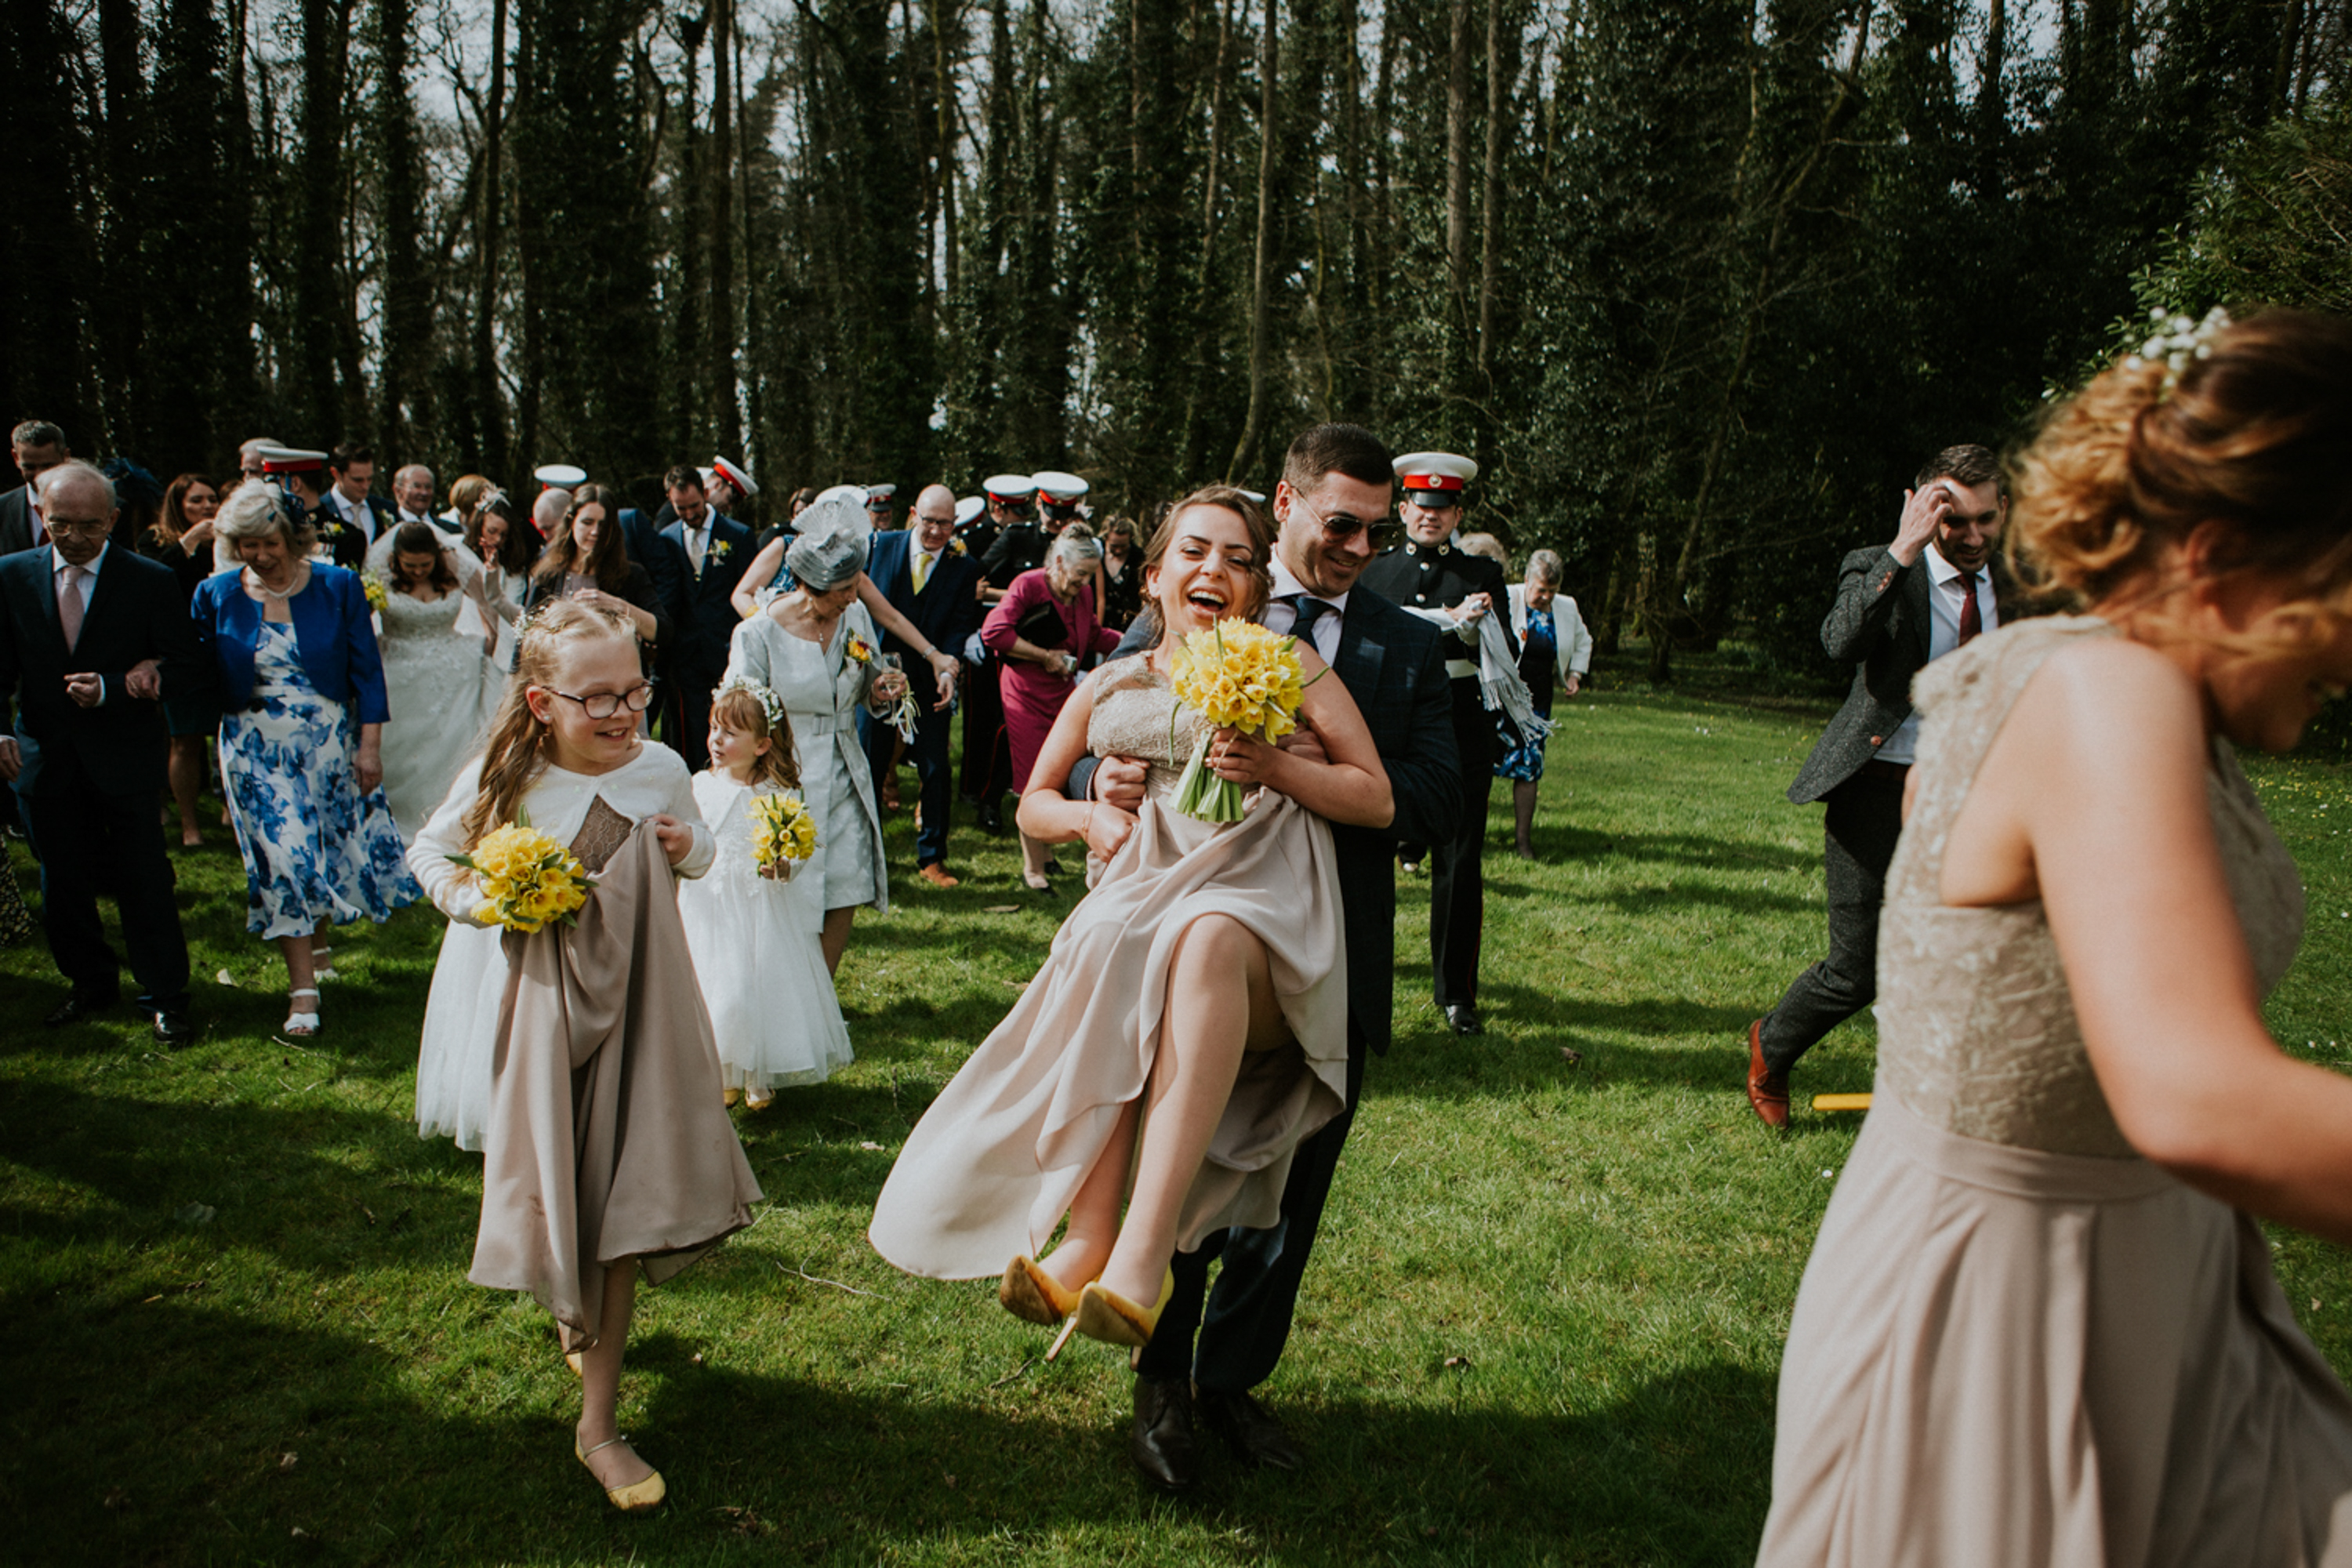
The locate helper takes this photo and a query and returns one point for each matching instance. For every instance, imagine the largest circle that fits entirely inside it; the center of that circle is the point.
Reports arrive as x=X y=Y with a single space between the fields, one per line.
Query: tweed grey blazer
x=1881 y=621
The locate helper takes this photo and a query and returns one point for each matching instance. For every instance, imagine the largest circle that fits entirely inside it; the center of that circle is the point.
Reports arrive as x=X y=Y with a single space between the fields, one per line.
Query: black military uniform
x=1427 y=580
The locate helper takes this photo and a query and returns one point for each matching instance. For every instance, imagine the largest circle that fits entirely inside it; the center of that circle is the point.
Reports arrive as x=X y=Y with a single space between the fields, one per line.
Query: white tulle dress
x=754 y=940
x=470 y=979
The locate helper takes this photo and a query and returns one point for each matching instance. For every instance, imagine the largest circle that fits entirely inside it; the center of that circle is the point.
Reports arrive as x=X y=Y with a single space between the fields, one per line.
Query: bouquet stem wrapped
x=1238 y=675
x=784 y=834
x=526 y=881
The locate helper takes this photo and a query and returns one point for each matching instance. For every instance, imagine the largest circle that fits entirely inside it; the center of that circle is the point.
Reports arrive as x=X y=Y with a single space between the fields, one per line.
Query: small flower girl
x=753 y=926
x=606 y=1148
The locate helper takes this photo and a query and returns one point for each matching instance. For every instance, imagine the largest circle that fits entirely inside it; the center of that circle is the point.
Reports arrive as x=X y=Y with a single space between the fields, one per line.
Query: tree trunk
x=489 y=414
x=1490 y=228
x=404 y=391
x=754 y=341
x=692 y=347
x=943 y=73
x=1252 y=428
x=726 y=423
x=1457 y=161
x=317 y=238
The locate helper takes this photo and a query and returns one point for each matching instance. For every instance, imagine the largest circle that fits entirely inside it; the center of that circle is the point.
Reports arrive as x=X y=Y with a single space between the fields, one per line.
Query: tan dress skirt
x=993 y=1164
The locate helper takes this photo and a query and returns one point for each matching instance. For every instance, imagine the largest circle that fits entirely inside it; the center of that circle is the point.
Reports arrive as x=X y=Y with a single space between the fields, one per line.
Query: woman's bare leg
x=1033 y=855
x=835 y=940
x=1094 y=1213
x=187 y=775
x=600 y=1383
x=1220 y=1004
x=300 y=975
x=1522 y=807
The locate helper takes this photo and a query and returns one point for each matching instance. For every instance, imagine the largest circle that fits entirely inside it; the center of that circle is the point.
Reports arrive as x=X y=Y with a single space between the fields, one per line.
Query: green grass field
x=1543 y=1323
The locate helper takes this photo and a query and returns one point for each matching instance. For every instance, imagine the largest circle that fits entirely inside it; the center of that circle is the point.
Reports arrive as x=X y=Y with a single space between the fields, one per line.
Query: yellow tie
x=922 y=570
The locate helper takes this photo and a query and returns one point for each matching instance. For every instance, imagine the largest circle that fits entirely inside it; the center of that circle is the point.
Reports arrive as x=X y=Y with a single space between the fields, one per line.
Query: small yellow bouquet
x=526 y=879
x=784 y=834
x=378 y=594
x=1238 y=675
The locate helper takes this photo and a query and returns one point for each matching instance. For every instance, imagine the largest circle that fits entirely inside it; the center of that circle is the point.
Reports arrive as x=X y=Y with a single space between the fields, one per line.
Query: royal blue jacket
x=332 y=627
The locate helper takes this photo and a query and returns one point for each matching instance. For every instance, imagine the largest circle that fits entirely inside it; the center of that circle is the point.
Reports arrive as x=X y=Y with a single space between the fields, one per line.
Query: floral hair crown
x=771 y=705
x=2176 y=340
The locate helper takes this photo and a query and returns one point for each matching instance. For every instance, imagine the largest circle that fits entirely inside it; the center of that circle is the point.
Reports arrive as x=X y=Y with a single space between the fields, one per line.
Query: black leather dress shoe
x=1463 y=1018
x=992 y=819
x=1250 y=1430
x=76 y=1008
x=174 y=1030
x=1161 y=1441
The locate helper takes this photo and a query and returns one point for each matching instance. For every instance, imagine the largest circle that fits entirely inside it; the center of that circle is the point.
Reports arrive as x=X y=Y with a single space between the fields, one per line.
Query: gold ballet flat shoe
x=728 y=1097
x=642 y=1497
x=1034 y=1296
x=1106 y=1315
x=572 y=1358
x=754 y=1101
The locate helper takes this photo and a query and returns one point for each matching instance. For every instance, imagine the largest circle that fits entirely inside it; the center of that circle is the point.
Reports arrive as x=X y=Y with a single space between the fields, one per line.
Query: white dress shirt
x=359 y=517
x=87 y=585
x=1946 y=593
x=1281 y=616
x=923 y=568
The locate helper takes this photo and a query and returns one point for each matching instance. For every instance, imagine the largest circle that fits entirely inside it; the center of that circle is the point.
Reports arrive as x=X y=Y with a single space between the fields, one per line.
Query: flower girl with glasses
x=605 y=1150
x=753 y=924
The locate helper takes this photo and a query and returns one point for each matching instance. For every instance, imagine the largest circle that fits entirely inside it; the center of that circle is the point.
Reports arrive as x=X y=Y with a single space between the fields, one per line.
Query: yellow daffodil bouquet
x=784 y=834
x=1238 y=675
x=378 y=594
x=526 y=879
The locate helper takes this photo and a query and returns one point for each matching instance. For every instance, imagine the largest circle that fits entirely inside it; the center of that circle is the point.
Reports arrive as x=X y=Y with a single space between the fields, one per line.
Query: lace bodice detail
x=404 y=614
x=1977 y=1029
x=1135 y=715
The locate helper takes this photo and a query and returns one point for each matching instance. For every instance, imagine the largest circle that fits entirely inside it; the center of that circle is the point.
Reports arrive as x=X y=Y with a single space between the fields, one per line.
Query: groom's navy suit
x=948 y=611
x=706 y=620
x=1395 y=666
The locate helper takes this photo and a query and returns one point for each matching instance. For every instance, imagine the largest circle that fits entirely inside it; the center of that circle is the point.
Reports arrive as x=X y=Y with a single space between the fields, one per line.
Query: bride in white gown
x=439 y=678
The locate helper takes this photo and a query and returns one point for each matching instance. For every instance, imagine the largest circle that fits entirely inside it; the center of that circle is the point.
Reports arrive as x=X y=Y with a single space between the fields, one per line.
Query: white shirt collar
x=1940 y=571
x=1285 y=585
x=58 y=564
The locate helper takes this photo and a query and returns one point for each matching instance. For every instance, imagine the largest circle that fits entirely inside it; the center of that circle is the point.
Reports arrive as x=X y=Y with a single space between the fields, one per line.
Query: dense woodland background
x=1699 y=281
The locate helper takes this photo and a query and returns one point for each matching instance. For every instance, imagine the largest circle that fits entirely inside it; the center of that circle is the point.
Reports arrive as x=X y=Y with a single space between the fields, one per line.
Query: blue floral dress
x=315 y=849
x=1537 y=650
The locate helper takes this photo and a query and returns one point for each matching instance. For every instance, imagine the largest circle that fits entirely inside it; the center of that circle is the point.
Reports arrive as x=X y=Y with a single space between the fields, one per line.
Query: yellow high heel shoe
x=641 y=1498
x=1106 y=1315
x=1034 y=1296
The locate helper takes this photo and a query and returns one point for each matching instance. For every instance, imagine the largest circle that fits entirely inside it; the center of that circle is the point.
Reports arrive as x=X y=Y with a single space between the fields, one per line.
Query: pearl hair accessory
x=770 y=703
x=2176 y=340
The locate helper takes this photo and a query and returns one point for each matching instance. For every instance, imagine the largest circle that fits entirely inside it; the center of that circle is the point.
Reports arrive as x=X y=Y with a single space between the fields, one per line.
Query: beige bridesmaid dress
x=991 y=1167
x=2018 y=1343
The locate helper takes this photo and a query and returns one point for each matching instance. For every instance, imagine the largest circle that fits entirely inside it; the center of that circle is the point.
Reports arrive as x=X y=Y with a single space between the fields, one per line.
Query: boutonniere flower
x=722 y=549
x=956 y=545
x=860 y=650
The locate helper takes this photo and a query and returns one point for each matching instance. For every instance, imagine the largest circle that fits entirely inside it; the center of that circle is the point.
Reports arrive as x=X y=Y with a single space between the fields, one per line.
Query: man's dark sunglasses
x=1386 y=533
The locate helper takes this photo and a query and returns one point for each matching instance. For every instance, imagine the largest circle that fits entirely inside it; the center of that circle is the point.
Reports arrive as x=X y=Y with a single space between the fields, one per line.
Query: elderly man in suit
x=92 y=636
x=1333 y=508
x=937 y=588
x=1938 y=586
x=38 y=447
x=714 y=550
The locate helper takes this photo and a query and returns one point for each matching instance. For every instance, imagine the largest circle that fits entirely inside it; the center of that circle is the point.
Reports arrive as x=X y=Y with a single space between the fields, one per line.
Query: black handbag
x=1043 y=626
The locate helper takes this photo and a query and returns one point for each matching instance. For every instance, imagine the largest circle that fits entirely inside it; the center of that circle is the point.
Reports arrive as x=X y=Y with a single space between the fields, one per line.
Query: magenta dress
x=1033 y=696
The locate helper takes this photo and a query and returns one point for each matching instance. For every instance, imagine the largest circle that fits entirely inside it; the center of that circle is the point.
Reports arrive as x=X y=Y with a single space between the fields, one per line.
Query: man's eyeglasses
x=1341 y=527
x=605 y=704
x=935 y=522
x=68 y=526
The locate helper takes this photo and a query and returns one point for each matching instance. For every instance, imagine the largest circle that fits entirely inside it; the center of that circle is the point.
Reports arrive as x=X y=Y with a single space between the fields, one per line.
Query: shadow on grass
x=259 y=1444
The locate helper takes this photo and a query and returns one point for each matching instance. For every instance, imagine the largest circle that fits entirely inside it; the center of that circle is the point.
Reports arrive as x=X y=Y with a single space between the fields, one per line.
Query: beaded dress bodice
x=1137 y=715
x=1976 y=1027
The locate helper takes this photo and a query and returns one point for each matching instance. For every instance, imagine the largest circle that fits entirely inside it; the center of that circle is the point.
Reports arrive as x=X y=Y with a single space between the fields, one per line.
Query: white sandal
x=301 y=1024
x=322 y=963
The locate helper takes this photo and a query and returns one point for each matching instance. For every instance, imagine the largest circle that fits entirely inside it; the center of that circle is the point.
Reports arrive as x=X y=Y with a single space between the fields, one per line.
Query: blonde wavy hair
x=515 y=749
x=2255 y=436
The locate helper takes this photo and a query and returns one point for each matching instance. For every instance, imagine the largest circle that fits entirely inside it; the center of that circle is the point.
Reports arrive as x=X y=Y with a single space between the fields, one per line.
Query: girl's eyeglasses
x=605 y=704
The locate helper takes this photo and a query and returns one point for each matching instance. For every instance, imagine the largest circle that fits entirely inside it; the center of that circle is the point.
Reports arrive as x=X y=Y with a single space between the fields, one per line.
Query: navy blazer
x=136 y=613
x=665 y=566
x=331 y=625
x=948 y=610
x=707 y=619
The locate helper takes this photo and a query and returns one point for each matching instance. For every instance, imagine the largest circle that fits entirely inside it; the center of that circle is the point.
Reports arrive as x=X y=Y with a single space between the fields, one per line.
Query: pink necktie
x=69 y=607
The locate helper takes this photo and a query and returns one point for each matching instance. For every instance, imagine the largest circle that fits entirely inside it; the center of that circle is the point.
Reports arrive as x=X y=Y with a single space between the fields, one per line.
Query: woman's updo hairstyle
x=2254 y=433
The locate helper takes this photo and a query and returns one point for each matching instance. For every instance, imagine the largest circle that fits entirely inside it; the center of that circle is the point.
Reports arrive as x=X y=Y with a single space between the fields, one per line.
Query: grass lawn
x=1543 y=1323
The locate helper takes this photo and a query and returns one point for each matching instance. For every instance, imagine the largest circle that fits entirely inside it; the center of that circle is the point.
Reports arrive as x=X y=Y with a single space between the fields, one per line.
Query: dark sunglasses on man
x=1340 y=527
